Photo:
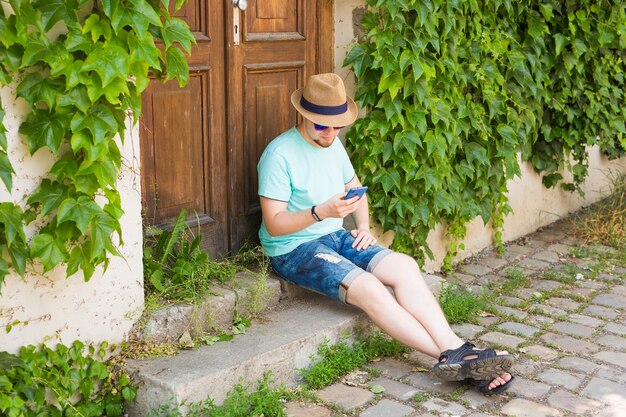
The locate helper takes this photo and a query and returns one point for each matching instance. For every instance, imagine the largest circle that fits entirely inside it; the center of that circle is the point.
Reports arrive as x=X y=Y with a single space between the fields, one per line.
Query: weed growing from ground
x=516 y=278
x=339 y=359
x=460 y=305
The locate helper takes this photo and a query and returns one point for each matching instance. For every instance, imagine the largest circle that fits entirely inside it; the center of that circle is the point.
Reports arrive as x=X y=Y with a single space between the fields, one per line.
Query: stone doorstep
x=215 y=313
x=286 y=340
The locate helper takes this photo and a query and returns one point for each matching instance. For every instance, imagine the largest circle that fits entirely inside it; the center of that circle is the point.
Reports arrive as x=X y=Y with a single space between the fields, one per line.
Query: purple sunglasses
x=322 y=127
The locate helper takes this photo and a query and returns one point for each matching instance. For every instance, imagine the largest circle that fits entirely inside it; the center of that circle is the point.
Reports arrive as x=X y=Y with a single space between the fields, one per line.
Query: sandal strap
x=459 y=353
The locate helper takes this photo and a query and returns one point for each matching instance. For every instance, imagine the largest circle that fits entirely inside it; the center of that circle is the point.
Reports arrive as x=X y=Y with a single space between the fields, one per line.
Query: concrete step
x=285 y=340
x=282 y=343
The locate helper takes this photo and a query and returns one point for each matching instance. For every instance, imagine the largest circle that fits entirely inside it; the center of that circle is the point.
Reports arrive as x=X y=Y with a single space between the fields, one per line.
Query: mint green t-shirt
x=294 y=171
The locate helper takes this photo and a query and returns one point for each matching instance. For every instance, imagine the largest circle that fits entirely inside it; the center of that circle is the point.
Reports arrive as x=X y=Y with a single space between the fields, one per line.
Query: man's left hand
x=362 y=239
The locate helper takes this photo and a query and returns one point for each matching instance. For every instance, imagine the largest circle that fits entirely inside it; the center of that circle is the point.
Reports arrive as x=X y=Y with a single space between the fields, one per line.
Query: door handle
x=237 y=5
x=241 y=4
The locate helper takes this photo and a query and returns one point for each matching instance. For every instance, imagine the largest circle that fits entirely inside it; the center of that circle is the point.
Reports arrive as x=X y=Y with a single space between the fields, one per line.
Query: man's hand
x=362 y=239
x=336 y=206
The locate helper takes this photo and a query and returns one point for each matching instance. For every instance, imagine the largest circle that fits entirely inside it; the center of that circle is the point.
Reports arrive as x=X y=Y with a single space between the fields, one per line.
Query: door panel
x=277 y=51
x=183 y=145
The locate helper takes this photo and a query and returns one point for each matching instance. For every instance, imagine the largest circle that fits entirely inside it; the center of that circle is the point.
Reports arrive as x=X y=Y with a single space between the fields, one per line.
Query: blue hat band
x=325 y=110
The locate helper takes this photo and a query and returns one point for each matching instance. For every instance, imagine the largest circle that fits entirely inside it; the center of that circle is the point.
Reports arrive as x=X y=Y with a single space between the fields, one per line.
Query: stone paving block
x=519 y=407
x=527 y=388
x=396 y=389
x=549 y=235
x=613 y=373
x=615 y=358
x=610 y=300
x=572 y=403
x=488 y=320
x=493 y=262
x=346 y=397
x=392 y=367
x=619 y=290
x=612 y=341
x=388 y=408
x=616 y=328
x=564 y=303
x=518 y=314
x=428 y=382
x=542 y=352
x=552 y=311
x=533 y=264
x=569 y=344
x=519 y=249
x=581 y=292
x=559 y=248
x=545 y=285
x=588 y=283
x=502 y=339
x=585 y=320
x=473 y=399
x=510 y=301
x=467 y=331
x=602 y=312
x=547 y=256
x=526 y=367
x=564 y=379
x=518 y=328
x=605 y=391
x=422 y=359
x=572 y=329
x=577 y=364
x=535 y=243
x=606 y=277
x=476 y=270
x=295 y=409
x=439 y=406
x=538 y=320
x=464 y=278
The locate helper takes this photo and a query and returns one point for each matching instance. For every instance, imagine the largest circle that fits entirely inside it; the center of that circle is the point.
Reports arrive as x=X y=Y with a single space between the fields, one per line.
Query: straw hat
x=323 y=100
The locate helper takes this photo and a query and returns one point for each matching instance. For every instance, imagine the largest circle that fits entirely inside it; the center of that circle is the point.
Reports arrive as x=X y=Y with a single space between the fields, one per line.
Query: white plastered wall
x=54 y=309
x=534 y=206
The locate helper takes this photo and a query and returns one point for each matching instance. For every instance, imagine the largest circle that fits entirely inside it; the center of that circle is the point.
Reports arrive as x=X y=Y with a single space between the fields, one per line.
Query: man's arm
x=362 y=235
x=279 y=221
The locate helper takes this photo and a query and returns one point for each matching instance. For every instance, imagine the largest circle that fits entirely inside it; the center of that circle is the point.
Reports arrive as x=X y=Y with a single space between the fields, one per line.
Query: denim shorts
x=327 y=265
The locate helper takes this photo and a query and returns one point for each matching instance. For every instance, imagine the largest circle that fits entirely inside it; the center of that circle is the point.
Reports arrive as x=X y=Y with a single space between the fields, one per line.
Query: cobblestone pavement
x=566 y=328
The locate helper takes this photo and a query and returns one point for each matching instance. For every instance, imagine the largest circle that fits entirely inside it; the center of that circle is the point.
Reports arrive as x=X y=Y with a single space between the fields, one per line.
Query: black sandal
x=486 y=364
x=483 y=386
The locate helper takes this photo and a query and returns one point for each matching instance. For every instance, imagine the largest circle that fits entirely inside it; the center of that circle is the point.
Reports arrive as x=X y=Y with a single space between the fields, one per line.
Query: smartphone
x=355 y=191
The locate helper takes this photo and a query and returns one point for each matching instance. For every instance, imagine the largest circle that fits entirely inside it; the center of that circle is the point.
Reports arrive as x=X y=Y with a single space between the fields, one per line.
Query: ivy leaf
x=177 y=66
x=37 y=49
x=35 y=88
x=97 y=28
x=65 y=167
x=99 y=121
x=53 y=11
x=43 y=128
x=143 y=49
x=108 y=62
x=6 y=170
x=80 y=211
x=18 y=253
x=137 y=14
x=50 y=194
x=4 y=271
x=11 y=218
x=104 y=171
x=102 y=228
x=78 y=97
x=51 y=252
x=176 y=30
x=114 y=206
x=476 y=152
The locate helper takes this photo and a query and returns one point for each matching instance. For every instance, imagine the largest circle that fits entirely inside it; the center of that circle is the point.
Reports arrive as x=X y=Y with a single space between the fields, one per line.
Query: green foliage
x=66 y=381
x=339 y=359
x=456 y=90
x=460 y=305
x=79 y=86
x=241 y=401
x=176 y=268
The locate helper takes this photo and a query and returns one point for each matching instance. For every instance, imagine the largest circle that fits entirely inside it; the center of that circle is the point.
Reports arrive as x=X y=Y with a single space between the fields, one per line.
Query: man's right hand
x=336 y=206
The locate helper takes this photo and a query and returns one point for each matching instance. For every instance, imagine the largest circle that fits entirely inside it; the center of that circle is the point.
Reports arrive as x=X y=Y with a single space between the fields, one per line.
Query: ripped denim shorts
x=329 y=264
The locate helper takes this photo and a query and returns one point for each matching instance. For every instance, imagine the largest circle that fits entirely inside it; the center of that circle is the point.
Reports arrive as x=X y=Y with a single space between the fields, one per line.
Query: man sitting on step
x=304 y=175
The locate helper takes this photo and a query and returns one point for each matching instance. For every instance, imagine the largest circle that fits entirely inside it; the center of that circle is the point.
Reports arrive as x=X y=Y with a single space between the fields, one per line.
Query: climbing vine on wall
x=80 y=66
x=456 y=90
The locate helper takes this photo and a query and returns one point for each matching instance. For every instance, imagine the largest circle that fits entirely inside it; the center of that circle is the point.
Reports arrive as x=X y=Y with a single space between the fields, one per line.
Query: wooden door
x=273 y=46
x=183 y=136
x=200 y=144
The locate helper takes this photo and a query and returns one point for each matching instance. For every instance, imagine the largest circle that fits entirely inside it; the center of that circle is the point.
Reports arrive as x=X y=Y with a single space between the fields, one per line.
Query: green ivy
x=456 y=90
x=66 y=381
x=79 y=86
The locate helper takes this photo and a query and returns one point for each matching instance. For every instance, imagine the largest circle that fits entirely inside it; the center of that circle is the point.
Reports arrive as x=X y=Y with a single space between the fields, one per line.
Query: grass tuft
x=460 y=305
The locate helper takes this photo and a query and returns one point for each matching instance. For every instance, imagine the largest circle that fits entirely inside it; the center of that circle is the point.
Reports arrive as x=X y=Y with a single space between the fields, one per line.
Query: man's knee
x=365 y=287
